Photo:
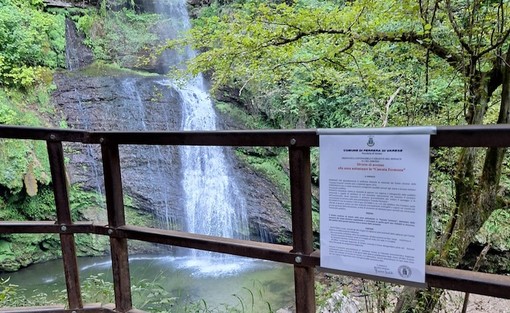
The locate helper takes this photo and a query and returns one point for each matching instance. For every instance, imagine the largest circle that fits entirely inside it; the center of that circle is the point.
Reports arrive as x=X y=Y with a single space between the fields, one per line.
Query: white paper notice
x=373 y=197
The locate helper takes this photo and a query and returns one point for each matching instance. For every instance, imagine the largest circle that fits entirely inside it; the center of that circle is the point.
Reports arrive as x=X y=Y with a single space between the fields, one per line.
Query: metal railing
x=301 y=254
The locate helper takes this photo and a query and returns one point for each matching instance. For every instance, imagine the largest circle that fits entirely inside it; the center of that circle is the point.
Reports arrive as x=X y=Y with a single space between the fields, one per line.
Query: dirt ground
x=451 y=301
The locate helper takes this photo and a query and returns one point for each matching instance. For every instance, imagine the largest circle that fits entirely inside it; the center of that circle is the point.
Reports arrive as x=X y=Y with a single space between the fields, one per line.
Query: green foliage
x=30 y=41
x=269 y=162
x=249 y=121
x=147 y=295
x=441 y=186
x=323 y=292
x=324 y=64
x=496 y=230
x=39 y=208
x=152 y=297
x=121 y=37
x=21 y=250
x=7 y=292
x=96 y=289
x=19 y=159
x=85 y=23
x=24 y=163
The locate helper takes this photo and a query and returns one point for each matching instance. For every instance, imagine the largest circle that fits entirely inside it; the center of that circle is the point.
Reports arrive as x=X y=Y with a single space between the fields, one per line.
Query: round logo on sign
x=370 y=142
x=404 y=271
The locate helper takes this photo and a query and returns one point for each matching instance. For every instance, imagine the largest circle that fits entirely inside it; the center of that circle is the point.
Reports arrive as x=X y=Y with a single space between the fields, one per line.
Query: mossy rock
x=496 y=231
x=8 y=260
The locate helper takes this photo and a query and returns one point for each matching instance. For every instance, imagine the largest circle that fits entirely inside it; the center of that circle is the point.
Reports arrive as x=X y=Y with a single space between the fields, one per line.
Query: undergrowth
x=147 y=295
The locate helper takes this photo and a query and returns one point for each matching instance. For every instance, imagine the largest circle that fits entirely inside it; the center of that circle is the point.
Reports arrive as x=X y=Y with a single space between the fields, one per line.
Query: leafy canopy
x=363 y=62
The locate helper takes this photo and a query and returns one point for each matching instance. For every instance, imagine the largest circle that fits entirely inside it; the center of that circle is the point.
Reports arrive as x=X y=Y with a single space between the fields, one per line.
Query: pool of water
x=216 y=282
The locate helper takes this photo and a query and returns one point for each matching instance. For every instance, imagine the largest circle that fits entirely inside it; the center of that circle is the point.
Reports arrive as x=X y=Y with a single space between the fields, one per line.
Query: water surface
x=211 y=280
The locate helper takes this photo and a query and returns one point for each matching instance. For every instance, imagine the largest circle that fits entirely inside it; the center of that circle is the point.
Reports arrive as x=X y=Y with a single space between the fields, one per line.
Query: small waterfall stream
x=90 y=153
x=154 y=156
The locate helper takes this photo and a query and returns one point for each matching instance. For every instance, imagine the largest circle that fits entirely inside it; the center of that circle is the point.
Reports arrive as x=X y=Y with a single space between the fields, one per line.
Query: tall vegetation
x=32 y=47
x=31 y=43
x=120 y=37
x=333 y=63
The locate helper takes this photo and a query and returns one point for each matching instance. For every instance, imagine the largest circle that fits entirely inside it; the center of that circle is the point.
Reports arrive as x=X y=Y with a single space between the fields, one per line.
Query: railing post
x=302 y=234
x=58 y=176
x=116 y=218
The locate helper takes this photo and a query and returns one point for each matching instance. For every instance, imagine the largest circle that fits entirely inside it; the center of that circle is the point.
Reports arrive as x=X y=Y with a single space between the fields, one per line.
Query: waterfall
x=186 y=188
x=214 y=205
x=77 y=54
x=213 y=202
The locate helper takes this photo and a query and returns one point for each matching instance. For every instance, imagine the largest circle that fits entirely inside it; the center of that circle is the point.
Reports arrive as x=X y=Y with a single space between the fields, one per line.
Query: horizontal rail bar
x=87 y=308
x=41 y=227
x=461 y=280
x=447 y=136
x=37 y=133
x=252 y=249
x=440 y=277
x=472 y=136
x=235 y=138
x=468 y=281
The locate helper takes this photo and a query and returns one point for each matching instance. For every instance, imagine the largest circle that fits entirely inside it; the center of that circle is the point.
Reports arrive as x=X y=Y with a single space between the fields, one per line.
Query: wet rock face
x=78 y=55
x=122 y=102
x=106 y=100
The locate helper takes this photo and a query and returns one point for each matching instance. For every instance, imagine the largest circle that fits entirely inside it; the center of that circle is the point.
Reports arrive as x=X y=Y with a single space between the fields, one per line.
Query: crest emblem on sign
x=370 y=142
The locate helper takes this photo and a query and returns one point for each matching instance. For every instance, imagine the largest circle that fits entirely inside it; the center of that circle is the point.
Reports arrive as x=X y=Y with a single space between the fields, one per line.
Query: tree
x=321 y=44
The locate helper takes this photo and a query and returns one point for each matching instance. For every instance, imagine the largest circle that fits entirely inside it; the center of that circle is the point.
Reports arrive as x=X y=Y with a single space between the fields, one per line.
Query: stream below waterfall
x=189 y=280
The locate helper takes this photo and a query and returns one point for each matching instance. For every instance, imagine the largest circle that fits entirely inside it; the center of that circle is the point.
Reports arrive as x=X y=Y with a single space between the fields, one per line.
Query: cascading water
x=213 y=203
x=77 y=55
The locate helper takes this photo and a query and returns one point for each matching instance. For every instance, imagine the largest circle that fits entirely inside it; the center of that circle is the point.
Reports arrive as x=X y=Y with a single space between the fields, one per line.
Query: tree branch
x=422 y=40
x=496 y=45
x=456 y=29
x=283 y=41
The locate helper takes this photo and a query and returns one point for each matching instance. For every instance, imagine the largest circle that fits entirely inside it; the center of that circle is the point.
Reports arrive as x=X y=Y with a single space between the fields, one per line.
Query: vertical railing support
x=116 y=218
x=60 y=190
x=302 y=234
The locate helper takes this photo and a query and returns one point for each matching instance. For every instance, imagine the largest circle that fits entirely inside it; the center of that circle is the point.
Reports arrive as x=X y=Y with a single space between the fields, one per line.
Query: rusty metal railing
x=301 y=254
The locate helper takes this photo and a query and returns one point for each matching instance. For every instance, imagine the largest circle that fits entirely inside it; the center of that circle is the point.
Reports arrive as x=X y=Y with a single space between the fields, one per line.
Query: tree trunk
x=476 y=197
